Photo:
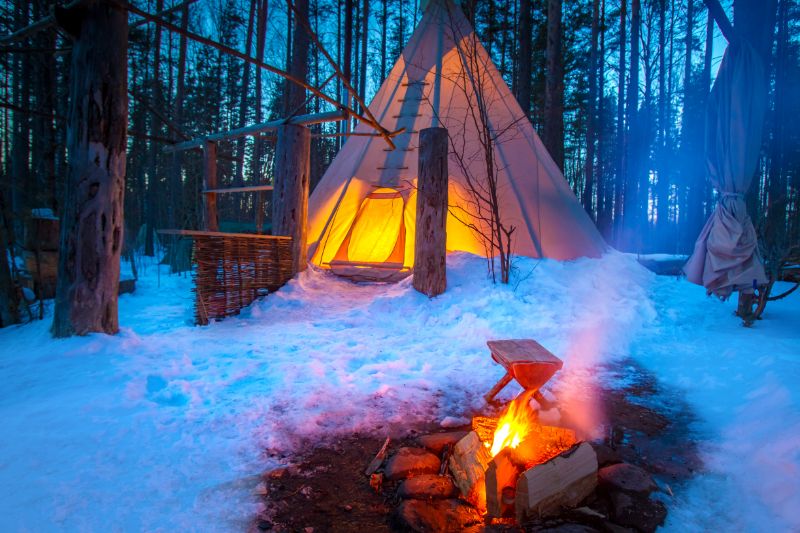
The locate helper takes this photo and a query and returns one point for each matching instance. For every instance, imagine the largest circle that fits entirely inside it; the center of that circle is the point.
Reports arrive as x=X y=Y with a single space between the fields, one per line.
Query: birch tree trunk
x=92 y=217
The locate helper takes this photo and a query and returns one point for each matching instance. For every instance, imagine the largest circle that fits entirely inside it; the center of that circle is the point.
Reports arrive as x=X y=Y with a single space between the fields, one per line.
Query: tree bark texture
x=92 y=218
x=430 y=273
x=525 y=55
x=299 y=66
x=554 y=86
x=588 y=190
x=290 y=193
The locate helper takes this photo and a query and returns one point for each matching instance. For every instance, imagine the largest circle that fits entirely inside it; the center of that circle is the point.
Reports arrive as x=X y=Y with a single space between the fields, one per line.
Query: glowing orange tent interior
x=362 y=213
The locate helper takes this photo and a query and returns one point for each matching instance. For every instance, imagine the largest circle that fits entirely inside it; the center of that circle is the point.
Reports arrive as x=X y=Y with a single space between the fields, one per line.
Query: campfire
x=513 y=467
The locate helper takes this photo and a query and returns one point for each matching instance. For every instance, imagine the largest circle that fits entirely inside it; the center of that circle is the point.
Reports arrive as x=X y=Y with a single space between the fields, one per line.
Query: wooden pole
x=92 y=217
x=430 y=276
x=290 y=193
x=209 y=184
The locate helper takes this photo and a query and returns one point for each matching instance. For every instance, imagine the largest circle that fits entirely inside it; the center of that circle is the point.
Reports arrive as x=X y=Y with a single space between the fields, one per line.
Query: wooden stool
x=525 y=360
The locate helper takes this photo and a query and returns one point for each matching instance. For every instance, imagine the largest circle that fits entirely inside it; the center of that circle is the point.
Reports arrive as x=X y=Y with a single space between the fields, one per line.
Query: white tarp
x=726 y=257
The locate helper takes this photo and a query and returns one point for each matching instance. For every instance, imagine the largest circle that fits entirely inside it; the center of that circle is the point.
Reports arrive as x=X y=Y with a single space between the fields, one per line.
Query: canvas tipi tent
x=362 y=213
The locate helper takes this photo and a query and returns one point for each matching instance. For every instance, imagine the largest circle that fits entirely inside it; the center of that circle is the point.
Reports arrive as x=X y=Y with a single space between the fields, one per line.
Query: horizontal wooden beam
x=266 y=66
x=255 y=129
x=251 y=188
x=196 y=233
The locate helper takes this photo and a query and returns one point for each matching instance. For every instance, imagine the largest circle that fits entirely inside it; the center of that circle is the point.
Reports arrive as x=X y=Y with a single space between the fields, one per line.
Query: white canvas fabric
x=435 y=83
x=726 y=257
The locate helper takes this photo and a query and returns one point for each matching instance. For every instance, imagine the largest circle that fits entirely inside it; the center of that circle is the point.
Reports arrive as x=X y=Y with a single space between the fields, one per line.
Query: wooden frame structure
x=234 y=268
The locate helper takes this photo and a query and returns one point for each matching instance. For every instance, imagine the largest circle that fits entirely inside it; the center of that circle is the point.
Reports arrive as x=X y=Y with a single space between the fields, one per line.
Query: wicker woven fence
x=234 y=269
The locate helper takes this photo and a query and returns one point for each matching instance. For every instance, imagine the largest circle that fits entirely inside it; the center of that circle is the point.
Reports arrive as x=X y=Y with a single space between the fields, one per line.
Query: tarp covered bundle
x=435 y=83
x=726 y=257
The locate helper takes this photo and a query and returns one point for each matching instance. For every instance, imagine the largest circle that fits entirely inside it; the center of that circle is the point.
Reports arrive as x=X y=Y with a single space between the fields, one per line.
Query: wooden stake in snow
x=560 y=483
x=290 y=193
x=376 y=463
x=430 y=250
x=92 y=218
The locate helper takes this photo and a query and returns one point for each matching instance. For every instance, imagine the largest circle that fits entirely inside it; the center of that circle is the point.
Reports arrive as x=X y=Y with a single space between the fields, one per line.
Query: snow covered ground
x=166 y=426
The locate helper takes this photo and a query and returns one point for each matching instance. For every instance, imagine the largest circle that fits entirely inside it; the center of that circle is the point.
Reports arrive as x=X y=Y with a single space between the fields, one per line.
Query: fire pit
x=516 y=468
x=513 y=467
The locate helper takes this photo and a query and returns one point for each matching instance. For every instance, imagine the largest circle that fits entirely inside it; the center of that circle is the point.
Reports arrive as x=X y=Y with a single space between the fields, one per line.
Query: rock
x=411 y=461
x=626 y=477
x=454 y=421
x=616 y=528
x=437 y=515
x=436 y=442
x=427 y=486
x=605 y=455
x=571 y=528
x=637 y=511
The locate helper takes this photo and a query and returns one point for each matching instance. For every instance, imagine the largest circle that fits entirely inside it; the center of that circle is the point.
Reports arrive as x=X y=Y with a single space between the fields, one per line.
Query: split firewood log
x=468 y=465
x=560 y=483
x=501 y=484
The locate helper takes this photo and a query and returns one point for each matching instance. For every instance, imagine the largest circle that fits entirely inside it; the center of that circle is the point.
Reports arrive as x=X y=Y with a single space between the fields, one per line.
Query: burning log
x=501 y=484
x=561 y=482
x=541 y=444
x=485 y=427
x=468 y=465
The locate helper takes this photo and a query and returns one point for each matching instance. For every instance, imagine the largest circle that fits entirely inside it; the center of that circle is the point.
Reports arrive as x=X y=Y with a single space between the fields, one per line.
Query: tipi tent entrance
x=432 y=85
x=374 y=248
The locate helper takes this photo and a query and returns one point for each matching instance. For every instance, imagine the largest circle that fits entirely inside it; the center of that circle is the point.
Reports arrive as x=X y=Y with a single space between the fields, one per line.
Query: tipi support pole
x=430 y=275
x=211 y=222
x=290 y=193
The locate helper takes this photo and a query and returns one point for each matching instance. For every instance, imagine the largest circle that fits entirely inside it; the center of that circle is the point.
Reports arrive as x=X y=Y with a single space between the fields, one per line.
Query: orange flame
x=514 y=424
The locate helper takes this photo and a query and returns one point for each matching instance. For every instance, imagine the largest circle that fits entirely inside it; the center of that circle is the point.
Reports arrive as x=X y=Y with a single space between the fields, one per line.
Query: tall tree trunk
x=176 y=162
x=620 y=174
x=244 y=100
x=299 y=68
x=384 y=21
x=348 y=54
x=693 y=171
x=554 y=86
x=704 y=88
x=9 y=299
x=44 y=138
x=603 y=205
x=362 y=78
x=525 y=58
x=633 y=133
x=588 y=190
x=156 y=100
x=662 y=185
x=92 y=218
x=777 y=195
x=258 y=147
x=287 y=86
x=20 y=151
